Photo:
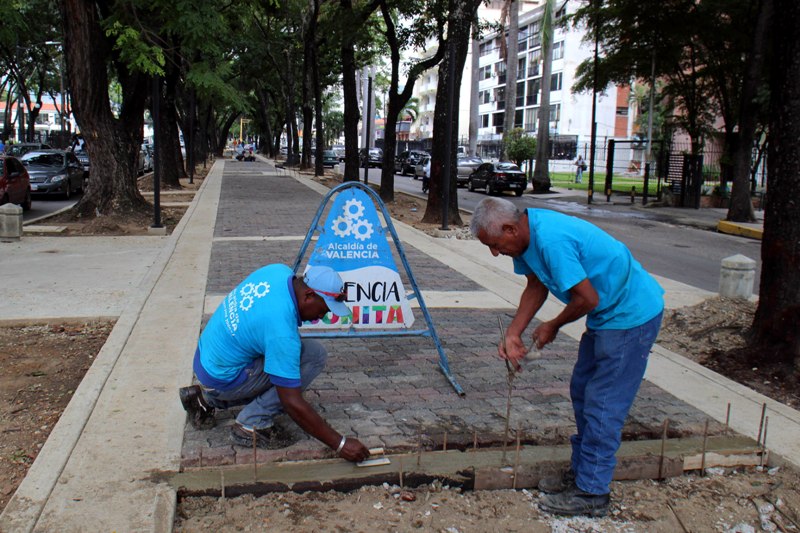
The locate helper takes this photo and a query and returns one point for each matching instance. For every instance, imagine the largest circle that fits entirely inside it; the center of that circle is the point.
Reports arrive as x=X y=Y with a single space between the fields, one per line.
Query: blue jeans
x=258 y=392
x=605 y=380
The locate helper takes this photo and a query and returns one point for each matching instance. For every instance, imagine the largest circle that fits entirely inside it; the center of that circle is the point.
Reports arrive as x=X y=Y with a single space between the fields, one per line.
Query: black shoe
x=201 y=414
x=574 y=502
x=557 y=483
x=271 y=438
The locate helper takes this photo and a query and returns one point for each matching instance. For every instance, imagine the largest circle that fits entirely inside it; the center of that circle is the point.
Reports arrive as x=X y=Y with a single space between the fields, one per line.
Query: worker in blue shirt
x=251 y=353
x=597 y=277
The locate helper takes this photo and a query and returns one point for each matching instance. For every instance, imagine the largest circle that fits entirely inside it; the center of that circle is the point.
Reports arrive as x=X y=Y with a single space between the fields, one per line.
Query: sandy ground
x=723 y=501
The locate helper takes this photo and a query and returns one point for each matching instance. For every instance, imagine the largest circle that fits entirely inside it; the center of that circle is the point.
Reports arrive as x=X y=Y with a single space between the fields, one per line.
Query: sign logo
x=353 y=242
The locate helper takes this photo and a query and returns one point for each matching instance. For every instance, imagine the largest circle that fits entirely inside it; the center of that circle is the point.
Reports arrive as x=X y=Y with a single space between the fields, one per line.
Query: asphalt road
x=41 y=206
x=686 y=254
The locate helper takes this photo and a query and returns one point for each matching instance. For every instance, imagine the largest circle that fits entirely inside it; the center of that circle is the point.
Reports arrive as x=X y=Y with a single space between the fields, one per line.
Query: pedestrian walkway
x=126 y=422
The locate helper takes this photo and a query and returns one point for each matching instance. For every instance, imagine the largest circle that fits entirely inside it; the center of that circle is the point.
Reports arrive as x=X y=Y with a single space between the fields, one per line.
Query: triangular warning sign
x=353 y=242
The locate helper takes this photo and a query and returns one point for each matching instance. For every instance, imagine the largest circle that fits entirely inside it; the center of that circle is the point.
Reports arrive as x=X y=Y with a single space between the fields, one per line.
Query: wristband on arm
x=341 y=445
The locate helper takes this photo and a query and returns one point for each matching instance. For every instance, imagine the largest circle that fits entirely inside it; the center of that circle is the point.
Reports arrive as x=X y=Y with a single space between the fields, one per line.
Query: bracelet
x=341 y=444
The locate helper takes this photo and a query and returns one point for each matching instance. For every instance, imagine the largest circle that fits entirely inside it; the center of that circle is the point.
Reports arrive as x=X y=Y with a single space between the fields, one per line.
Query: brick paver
x=389 y=391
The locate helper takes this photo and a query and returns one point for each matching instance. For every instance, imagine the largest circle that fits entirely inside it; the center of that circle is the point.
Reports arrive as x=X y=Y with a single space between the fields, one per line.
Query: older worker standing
x=251 y=353
x=595 y=276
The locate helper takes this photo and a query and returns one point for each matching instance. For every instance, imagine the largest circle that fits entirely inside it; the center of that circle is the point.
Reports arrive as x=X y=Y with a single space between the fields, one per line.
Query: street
x=685 y=254
x=42 y=206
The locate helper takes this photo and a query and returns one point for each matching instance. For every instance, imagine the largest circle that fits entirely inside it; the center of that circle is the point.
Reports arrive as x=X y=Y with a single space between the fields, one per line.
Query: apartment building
x=570 y=114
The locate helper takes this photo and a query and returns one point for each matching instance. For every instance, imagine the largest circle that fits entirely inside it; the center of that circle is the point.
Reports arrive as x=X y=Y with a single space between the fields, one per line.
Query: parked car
x=83 y=157
x=146 y=151
x=423 y=168
x=466 y=166
x=372 y=158
x=15 y=184
x=54 y=172
x=339 y=150
x=20 y=149
x=329 y=158
x=406 y=161
x=497 y=178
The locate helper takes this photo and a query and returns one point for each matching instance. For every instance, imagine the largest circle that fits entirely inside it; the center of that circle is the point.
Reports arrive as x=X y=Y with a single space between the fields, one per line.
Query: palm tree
x=541 y=174
x=511 y=11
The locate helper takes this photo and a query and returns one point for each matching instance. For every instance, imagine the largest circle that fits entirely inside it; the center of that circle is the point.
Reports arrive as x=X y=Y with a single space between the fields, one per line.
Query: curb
x=743 y=230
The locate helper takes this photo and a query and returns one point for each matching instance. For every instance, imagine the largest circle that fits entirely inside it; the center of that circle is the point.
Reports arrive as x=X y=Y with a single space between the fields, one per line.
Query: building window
x=561 y=12
x=622 y=111
x=530 y=118
x=520 y=94
x=518 y=118
x=533 y=91
x=555 y=82
x=558 y=50
x=484 y=121
x=533 y=63
x=497 y=121
x=555 y=113
x=522 y=45
x=521 y=69
x=500 y=97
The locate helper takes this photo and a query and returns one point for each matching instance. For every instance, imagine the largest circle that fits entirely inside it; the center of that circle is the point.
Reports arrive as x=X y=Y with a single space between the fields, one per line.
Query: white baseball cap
x=326 y=282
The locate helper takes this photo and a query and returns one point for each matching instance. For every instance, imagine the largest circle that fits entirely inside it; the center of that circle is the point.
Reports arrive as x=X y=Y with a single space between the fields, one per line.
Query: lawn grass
x=620 y=184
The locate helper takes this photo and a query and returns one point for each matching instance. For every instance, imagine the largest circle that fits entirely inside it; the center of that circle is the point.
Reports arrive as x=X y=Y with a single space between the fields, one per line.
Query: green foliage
x=139 y=55
x=519 y=147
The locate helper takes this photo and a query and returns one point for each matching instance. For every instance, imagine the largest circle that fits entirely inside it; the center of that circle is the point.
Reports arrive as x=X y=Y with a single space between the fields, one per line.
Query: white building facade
x=570 y=114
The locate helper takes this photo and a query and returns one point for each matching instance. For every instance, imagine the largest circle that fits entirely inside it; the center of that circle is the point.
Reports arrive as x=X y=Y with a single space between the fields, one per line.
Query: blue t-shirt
x=565 y=250
x=258 y=318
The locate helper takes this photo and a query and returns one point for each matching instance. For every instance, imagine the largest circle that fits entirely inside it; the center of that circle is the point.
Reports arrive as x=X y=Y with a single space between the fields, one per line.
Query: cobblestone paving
x=389 y=391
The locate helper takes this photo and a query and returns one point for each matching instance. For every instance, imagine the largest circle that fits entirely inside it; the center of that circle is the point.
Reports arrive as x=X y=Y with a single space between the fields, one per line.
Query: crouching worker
x=595 y=276
x=250 y=352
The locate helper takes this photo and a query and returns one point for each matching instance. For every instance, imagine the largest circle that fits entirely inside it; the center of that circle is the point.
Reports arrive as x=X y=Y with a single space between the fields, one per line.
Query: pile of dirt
x=714 y=334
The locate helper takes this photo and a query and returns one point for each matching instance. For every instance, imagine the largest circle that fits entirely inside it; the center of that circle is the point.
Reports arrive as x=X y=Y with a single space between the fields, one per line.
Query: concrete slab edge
x=25 y=507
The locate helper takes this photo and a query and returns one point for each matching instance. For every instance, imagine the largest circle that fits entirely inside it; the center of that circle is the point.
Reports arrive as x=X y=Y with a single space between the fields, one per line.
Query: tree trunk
x=351 y=113
x=775 y=331
x=462 y=15
x=541 y=172
x=474 y=91
x=316 y=85
x=113 y=143
x=512 y=58
x=169 y=141
x=741 y=207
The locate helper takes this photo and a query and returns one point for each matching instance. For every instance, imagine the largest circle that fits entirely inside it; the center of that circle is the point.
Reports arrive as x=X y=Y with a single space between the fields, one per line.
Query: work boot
x=271 y=438
x=201 y=414
x=557 y=483
x=574 y=502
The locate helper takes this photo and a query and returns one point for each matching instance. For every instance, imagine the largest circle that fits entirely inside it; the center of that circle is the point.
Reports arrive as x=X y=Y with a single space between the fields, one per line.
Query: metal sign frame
x=352 y=331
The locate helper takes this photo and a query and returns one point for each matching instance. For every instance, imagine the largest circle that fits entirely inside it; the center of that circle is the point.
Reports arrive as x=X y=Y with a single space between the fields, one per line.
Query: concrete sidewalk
x=125 y=420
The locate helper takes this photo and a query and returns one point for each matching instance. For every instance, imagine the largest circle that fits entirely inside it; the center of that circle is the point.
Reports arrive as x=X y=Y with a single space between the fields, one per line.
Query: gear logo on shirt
x=250 y=292
x=350 y=223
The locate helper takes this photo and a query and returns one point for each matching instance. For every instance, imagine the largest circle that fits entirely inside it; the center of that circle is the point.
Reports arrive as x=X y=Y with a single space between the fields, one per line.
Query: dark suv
x=372 y=157
x=406 y=161
x=497 y=178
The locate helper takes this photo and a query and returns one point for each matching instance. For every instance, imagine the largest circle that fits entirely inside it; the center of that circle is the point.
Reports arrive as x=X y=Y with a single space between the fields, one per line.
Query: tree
x=518 y=146
x=753 y=85
x=775 y=332
x=509 y=50
x=698 y=51
x=541 y=172
x=113 y=139
x=461 y=16
x=397 y=39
